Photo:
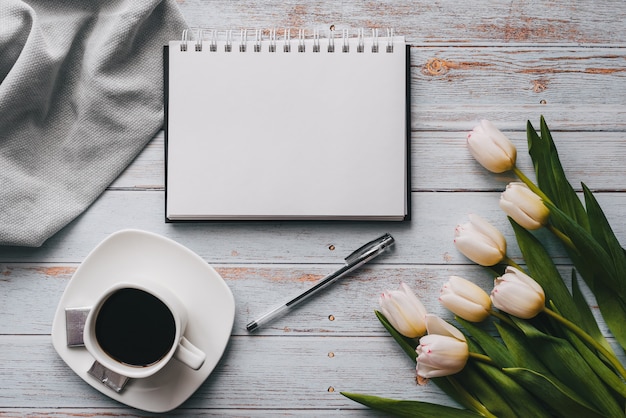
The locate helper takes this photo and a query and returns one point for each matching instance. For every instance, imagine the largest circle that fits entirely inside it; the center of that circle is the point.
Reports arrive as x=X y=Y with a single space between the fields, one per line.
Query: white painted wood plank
x=189 y=413
x=575 y=88
x=427 y=239
x=288 y=372
x=344 y=309
x=446 y=21
x=440 y=161
x=276 y=373
x=147 y=171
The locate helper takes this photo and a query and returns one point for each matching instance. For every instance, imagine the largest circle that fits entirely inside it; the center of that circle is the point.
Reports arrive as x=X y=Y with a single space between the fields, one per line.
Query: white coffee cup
x=129 y=320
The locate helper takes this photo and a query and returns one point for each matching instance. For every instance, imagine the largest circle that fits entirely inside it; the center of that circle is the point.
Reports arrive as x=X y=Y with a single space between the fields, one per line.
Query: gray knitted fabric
x=80 y=96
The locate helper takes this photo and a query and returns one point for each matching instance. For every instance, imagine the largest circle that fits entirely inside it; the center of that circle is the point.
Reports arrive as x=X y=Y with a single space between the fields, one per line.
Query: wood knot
x=540 y=85
x=421 y=381
x=436 y=66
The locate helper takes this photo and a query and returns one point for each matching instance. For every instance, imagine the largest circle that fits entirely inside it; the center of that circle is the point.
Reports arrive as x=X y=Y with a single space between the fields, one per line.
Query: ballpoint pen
x=352 y=262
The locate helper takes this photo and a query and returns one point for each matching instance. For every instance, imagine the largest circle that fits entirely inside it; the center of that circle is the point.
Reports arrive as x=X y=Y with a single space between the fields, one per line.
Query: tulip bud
x=491 y=148
x=518 y=294
x=404 y=311
x=524 y=206
x=480 y=241
x=465 y=299
x=443 y=351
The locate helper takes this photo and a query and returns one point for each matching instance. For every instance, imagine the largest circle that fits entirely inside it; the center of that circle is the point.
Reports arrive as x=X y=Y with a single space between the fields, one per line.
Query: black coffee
x=135 y=328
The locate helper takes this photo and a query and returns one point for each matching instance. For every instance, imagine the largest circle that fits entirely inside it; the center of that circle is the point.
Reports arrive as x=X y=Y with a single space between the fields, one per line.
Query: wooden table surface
x=505 y=61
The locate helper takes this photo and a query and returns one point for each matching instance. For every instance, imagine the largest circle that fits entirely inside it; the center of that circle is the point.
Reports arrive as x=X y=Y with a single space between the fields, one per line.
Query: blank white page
x=286 y=135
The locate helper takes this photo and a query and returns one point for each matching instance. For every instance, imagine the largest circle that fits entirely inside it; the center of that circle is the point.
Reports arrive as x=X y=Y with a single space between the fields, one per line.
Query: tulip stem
x=482 y=358
x=530 y=184
x=610 y=357
x=560 y=235
x=512 y=263
x=502 y=317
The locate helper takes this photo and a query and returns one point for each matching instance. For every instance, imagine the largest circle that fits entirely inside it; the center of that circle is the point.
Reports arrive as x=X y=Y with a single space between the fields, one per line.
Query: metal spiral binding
x=389 y=40
x=331 y=41
x=346 y=46
x=272 y=40
x=360 y=47
x=287 y=45
x=213 y=46
x=257 y=40
x=226 y=38
x=199 y=41
x=375 y=40
x=183 y=43
x=244 y=40
x=316 y=40
x=301 y=46
x=229 y=41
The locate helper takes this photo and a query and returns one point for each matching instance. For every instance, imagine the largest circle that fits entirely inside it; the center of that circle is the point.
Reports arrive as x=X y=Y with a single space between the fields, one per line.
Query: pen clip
x=373 y=247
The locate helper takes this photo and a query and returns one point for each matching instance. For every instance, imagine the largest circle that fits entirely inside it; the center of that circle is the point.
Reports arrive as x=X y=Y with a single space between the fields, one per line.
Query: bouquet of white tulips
x=547 y=356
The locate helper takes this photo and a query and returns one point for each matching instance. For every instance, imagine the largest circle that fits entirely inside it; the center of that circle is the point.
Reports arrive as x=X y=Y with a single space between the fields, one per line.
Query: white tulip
x=404 y=311
x=518 y=294
x=443 y=351
x=491 y=148
x=524 y=206
x=465 y=299
x=480 y=241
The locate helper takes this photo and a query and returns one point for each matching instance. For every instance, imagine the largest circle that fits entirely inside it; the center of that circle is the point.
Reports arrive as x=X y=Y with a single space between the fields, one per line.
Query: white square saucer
x=129 y=254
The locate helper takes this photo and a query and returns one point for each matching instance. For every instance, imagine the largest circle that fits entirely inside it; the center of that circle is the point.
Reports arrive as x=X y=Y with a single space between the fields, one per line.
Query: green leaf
x=585 y=317
x=539 y=151
x=600 y=274
x=414 y=409
x=604 y=372
x=602 y=232
x=472 y=345
x=561 y=403
x=570 y=368
x=521 y=401
x=551 y=177
x=565 y=195
x=598 y=270
x=525 y=359
x=595 y=255
x=517 y=343
x=494 y=349
x=530 y=331
x=484 y=391
x=612 y=308
x=459 y=391
x=405 y=343
x=586 y=270
x=452 y=388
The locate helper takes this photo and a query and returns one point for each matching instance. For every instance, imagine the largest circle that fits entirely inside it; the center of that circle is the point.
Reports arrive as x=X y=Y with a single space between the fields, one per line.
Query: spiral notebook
x=268 y=125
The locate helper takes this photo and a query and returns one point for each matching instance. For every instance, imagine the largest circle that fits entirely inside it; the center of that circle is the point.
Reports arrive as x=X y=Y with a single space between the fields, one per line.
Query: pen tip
x=252 y=326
